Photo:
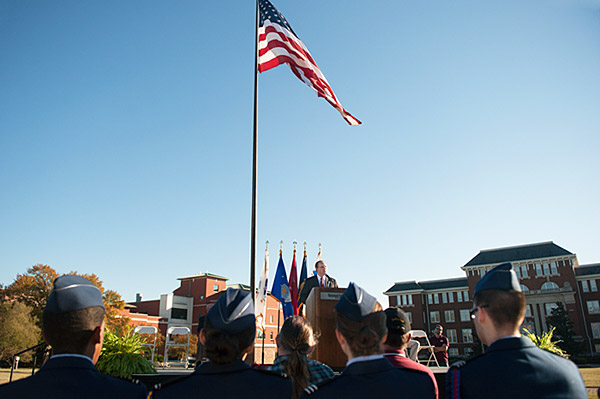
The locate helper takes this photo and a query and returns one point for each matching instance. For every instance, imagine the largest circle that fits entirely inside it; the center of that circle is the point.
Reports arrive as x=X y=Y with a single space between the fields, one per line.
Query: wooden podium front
x=319 y=311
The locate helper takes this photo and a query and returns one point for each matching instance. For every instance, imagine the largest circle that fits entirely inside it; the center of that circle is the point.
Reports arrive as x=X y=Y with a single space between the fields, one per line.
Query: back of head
x=360 y=320
x=229 y=328
x=398 y=327
x=499 y=292
x=297 y=338
x=73 y=311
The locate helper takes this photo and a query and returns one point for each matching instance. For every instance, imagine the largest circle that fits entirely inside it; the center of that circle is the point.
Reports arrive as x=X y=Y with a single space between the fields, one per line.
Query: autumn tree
x=18 y=330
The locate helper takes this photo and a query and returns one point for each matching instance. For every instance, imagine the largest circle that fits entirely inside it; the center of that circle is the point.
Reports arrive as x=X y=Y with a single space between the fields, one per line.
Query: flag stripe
x=279 y=45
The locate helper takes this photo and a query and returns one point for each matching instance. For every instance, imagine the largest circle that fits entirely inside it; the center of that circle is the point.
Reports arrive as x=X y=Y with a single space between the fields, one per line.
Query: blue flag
x=281 y=289
x=303 y=270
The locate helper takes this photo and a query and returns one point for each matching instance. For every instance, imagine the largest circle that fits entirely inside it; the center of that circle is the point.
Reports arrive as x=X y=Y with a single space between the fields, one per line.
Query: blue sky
x=126 y=137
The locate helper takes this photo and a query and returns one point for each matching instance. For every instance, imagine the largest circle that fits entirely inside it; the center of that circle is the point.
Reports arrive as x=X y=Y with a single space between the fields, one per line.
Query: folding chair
x=420 y=334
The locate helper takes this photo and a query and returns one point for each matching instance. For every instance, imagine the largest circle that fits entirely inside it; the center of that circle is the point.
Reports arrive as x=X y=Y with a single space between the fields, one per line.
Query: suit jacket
x=399 y=360
x=71 y=377
x=515 y=368
x=375 y=379
x=235 y=380
x=312 y=282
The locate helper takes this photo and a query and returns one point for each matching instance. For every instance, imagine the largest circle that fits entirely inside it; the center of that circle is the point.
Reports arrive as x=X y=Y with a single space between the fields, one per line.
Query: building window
x=596 y=330
x=406 y=300
x=524 y=288
x=464 y=315
x=549 y=307
x=538 y=269
x=179 y=314
x=434 y=317
x=549 y=286
x=568 y=262
x=468 y=351
x=451 y=335
x=467 y=335
x=593 y=286
x=409 y=315
x=593 y=307
x=585 y=286
x=459 y=296
x=449 y=316
x=451 y=297
x=466 y=295
x=546 y=267
x=444 y=297
x=528 y=311
x=553 y=268
x=429 y=299
x=271 y=319
x=216 y=287
x=436 y=298
x=259 y=334
x=271 y=335
x=524 y=271
x=453 y=351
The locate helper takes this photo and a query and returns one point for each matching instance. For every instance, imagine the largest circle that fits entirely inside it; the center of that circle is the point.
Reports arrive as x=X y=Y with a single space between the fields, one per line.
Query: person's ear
x=340 y=338
x=202 y=337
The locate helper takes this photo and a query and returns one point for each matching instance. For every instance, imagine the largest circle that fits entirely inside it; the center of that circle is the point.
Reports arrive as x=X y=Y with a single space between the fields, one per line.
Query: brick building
x=194 y=297
x=548 y=275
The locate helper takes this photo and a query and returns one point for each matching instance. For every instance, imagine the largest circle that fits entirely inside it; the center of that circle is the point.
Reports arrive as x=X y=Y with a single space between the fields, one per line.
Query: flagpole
x=254 y=162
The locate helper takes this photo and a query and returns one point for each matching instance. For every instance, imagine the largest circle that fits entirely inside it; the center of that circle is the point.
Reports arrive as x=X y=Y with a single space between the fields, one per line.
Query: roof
x=449 y=283
x=587 y=270
x=521 y=252
x=210 y=275
x=239 y=286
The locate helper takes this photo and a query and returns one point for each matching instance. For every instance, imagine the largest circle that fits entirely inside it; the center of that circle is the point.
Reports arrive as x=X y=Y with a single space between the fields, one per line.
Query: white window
x=549 y=286
x=524 y=271
x=409 y=315
x=434 y=317
x=593 y=286
x=528 y=311
x=538 y=269
x=553 y=268
x=451 y=335
x=436 y=298
x=546 y=268
x=593 y=307
x=524 y=288
x=518 y=271
x=444 y=297
x=467 y=334
x=549 y=307
x=459 y=296
x=449 y=316
x=464 y=315
x=453 y=351
x=270 y=318
x=596 y=330
x=466 y=295
x=259 y=333
x=468 y=351
x=585 y=286
x=429 y=299
x=451 y=297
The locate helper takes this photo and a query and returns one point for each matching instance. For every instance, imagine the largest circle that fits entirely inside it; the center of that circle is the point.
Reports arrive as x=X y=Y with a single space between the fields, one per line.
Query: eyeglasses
x=473 y=312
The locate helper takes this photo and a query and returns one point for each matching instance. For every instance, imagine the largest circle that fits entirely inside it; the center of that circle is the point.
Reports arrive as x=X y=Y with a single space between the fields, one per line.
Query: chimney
x=138 y=297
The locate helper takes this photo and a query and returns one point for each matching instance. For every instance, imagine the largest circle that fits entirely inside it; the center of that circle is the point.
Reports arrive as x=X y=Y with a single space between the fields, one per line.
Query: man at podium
x=321 y=279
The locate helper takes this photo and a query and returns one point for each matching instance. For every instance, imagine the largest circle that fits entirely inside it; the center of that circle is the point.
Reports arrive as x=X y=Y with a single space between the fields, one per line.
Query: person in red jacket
x=394 y=348
x=441 y=344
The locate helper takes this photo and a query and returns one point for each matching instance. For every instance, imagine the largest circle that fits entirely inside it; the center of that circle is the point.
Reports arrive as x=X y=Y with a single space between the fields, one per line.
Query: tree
x=18 y=330
x=33 y=288
x=563 y=329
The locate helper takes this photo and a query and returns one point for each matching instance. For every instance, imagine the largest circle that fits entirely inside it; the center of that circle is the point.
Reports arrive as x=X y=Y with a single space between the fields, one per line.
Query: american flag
x=278 y=44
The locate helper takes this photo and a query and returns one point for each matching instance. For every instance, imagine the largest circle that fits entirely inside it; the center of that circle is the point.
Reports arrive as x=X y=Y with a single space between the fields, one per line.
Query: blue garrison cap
x=233 y=312
x=355 y=303
x=73 y=293
x=501 y=277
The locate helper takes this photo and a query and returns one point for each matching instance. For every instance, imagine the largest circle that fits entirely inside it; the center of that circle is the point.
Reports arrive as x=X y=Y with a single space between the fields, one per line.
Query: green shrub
x=122 y=356
x=544 y=341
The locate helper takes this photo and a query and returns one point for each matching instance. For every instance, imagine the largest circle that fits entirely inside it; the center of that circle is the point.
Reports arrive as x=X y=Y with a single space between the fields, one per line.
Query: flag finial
x=280 y=245
x=267 y=245
x=295 y=243
x=304 y=246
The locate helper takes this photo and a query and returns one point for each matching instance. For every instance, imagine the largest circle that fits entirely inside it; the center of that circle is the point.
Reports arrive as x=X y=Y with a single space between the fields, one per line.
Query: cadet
x=73 y=324
x=512 y=366
x=228 y=335
x=361 y=329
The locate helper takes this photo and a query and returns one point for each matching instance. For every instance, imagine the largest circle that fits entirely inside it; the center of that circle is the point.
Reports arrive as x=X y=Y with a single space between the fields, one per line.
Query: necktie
x=322 y=281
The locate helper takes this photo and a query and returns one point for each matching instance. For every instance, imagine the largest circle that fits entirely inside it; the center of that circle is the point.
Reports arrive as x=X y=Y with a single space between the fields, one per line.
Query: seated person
x=73 y=324
x=295 y=343
x=360 y=332
x=398 y=336
x=228 y=336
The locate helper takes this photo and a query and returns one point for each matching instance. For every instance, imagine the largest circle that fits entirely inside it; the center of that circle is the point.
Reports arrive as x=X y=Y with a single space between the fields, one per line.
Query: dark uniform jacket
x=312 y=282
x=235 y=380
x=71 y=377
x=515 y=368
x=375 y=379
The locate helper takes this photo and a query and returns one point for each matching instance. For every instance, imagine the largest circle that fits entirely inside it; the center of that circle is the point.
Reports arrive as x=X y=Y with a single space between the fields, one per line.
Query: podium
x=320 y=306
